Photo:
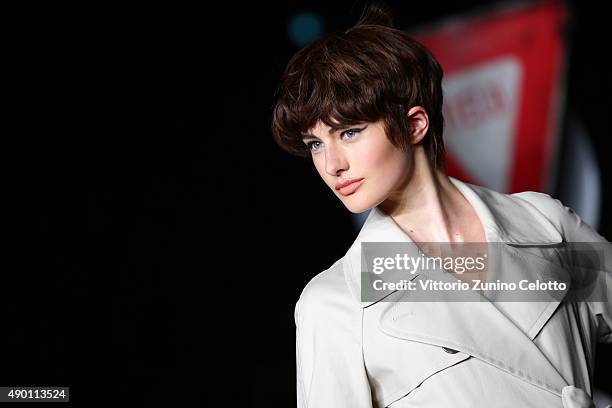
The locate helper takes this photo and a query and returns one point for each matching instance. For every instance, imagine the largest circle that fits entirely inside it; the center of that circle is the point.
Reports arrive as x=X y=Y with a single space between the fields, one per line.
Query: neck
x=427 y=205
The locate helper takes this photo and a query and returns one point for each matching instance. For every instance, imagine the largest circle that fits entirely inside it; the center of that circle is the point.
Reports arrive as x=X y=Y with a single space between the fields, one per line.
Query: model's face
x=361 y=153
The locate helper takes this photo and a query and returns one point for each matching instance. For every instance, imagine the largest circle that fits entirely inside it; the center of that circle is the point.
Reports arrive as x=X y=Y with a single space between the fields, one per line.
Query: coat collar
x=505 y=218
x=460 y=325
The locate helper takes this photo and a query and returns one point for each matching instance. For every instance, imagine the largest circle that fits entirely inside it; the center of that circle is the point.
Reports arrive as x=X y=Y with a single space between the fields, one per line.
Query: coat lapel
x=474 y=328
x=500 y=333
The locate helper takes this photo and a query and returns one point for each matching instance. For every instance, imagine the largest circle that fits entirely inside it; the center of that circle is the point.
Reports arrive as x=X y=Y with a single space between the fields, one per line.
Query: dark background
x=158 y=239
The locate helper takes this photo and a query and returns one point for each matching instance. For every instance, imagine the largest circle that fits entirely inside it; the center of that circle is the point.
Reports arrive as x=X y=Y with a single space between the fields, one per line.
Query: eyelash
x=355 y=130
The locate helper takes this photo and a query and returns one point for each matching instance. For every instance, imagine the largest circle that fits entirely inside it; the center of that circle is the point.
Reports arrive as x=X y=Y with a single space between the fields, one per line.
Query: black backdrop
x=158 y=238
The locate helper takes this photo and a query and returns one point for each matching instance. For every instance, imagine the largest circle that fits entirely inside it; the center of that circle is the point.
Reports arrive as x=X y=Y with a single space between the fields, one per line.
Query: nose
x=335 y=161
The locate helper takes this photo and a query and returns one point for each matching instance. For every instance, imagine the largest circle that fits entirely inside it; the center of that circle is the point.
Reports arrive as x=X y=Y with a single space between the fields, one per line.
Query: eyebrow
x=332 y=129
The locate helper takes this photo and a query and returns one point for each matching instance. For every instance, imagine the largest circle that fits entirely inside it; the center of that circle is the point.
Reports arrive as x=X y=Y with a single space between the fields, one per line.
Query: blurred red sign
x=503 y=90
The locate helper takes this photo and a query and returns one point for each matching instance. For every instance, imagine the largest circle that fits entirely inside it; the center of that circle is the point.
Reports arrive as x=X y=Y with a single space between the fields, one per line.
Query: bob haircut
x=367 y=73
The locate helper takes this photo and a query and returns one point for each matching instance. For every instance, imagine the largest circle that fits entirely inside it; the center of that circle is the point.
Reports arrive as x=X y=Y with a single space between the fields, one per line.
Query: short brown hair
x=369 y=72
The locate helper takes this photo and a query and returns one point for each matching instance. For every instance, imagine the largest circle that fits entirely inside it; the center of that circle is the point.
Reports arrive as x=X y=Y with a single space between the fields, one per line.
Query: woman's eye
x=352 y=133
x=313 y=146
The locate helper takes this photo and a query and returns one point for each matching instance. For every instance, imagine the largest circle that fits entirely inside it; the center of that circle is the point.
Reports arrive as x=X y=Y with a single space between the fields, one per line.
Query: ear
x=419 y=123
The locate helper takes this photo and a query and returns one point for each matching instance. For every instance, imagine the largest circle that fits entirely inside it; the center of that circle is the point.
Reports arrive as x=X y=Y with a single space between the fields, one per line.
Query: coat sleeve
x=329 y=359
x=574 y=229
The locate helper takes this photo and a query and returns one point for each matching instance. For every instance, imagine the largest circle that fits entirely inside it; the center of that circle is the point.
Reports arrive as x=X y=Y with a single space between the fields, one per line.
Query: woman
x=366 y=106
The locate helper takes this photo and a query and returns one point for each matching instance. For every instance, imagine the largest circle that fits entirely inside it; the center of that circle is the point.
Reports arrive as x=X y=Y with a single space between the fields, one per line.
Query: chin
x=356 y=205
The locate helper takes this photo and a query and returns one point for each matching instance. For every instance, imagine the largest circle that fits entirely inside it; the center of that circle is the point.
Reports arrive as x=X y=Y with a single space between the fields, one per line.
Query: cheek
x=385 y=159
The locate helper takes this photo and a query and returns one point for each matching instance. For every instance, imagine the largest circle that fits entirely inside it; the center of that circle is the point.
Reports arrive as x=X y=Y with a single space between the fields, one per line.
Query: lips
x=349 y=186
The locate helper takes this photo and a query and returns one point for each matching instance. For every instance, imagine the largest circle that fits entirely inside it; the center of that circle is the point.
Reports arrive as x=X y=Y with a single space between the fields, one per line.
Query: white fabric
x=384 y=352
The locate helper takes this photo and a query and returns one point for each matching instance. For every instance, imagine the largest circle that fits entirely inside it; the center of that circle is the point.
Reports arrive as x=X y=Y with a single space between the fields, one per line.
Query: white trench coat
x=358 y=354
